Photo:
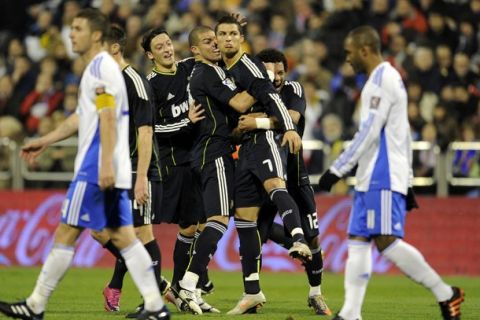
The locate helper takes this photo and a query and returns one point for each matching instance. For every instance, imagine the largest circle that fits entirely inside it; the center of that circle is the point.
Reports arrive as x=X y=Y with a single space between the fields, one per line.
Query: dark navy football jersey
x=211 y=87
x=172 y=126
x=140 y=101
x=250 y=74
x=293 y=96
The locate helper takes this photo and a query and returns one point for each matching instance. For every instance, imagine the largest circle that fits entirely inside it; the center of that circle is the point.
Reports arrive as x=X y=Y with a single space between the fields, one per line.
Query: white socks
x=189 y=281
x=358 y=270
x=315 y=291
x=53 y=270
x=408 y=259
x=139 y=265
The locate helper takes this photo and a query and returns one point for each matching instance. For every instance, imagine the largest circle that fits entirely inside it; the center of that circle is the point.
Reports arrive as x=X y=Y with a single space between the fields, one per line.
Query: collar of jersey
x=231 y=66
x=172 y=73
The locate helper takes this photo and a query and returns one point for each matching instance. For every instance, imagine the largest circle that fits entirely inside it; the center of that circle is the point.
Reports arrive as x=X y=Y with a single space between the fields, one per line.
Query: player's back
x=102 y=76
x=210 y=87
x=140 y=101
x=293 y=96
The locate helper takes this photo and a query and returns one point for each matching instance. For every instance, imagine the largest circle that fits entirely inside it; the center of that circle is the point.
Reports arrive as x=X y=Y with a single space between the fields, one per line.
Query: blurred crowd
x=433 y=43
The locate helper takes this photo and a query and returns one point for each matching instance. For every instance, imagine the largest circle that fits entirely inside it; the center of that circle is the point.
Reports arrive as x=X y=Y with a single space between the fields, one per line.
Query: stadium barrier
x=17 y=173
x=444 y=229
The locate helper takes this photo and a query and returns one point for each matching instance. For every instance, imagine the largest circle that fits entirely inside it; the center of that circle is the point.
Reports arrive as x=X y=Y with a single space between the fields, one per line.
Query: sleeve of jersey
x=218 y=86
x=295 y=98
x=143 y=113
x=106 y=79
x=368 y=132
x=253 y=77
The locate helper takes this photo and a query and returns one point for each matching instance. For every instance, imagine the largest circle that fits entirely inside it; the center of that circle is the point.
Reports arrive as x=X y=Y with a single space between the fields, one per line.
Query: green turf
x=388 y=297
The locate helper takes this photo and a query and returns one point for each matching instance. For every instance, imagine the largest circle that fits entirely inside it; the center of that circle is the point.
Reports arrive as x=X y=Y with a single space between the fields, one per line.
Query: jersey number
x=268 y=162
x=312 y=220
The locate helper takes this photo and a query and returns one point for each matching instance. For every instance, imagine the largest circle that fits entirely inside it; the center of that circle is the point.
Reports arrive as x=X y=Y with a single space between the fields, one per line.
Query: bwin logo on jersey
x=181 y=108
x=229 y=83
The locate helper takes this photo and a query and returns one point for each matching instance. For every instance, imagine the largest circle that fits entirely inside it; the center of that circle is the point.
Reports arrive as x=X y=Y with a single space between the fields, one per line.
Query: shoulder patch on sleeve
x=374 y=102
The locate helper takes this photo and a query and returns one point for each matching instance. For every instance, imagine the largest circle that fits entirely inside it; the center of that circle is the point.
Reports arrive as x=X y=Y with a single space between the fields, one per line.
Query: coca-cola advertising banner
x=444 y=229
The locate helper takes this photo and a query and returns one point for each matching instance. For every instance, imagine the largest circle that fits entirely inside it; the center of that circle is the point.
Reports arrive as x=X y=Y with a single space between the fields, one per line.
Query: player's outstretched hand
x=293 y=139
x=32 y=149
x=411 y=201
x=195 y=113
x=141 y=190
x=327 y=180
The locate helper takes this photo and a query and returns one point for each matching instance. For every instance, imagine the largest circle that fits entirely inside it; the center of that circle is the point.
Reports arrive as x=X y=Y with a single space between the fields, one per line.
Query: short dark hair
x=366 y=36
x=273 y=55
x=193 y=35
x=96 y=20
x=149 y=35
x=229 y=20
x=117 y=34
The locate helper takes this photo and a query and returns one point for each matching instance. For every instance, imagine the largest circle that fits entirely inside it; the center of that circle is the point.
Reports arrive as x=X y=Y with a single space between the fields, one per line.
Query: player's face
x=80 y=35
x=280 y=75
x=162 y=51
x=207 y=46
x=229 y=39
x=353 y=57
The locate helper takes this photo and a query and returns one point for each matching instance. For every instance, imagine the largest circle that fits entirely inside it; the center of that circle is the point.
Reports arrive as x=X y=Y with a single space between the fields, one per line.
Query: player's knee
x=219 y=218
x=101 y=237
x=274 y=183
x=145 y=233
x=313 y=242
x=188 y=231
x=67 y=235
x=248 y=214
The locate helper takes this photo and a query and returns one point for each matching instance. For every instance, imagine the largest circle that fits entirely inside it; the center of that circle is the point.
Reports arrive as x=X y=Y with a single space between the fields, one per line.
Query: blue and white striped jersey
x=102 y=75
x=382 y=145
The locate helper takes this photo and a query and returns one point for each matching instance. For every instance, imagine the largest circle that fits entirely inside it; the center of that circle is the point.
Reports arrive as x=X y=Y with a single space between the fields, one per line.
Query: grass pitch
x=388 y=297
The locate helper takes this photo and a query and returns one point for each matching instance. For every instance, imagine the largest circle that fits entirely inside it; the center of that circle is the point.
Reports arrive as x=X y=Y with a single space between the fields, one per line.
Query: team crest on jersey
x=100 y=90
x=374 y=102
x=229 y=83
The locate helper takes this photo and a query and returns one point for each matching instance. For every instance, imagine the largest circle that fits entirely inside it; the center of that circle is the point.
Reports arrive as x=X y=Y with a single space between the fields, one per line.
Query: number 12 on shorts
x=268 y=162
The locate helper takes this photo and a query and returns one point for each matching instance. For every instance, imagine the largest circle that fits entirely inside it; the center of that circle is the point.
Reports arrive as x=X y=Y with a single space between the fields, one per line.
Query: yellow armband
x=104 y=100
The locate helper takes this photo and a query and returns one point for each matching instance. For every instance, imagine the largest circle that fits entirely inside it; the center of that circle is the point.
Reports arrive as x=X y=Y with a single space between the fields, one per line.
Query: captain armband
x=263 y=123
x=104 y=100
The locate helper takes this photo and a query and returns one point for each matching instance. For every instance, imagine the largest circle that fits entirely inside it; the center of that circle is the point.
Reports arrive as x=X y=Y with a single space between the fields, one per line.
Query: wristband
x=263 y=123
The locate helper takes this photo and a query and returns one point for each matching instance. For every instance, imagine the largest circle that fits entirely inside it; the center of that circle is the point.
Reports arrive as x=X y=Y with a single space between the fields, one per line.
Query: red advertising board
x=444 y=229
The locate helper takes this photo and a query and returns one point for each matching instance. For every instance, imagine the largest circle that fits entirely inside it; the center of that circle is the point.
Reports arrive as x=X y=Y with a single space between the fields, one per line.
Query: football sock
x=181 y=256
x=250 y=253
x=53 y=270
x=408 y=259
x=120 y=268
x=288 y=211
x=206 y=245
x=156 y=256
x=278 y=235
x=314 y=268
x=140 y=266
x=358 y=270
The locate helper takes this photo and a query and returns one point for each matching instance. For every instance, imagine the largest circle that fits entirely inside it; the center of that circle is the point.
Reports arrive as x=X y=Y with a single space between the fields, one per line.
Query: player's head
x=116 y=40
x=159 y=47
x=89 y=27
x=361 y=44
x=229 y=36
x=203 y=44
x=279 y=62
